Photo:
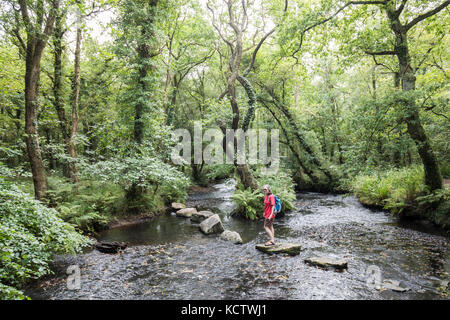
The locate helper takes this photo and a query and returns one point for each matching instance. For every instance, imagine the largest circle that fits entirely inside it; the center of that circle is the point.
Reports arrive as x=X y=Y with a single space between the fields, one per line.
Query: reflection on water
x=169 y=258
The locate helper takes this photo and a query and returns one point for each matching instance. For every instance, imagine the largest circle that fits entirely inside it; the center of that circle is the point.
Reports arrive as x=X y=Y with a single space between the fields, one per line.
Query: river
x=169 y=258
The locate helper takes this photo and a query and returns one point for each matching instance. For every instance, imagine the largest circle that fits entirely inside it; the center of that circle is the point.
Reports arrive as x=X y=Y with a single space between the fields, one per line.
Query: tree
x=38 y=19
x=76 y=93
x=381 y=46
x=238 y=20
x=401 y=51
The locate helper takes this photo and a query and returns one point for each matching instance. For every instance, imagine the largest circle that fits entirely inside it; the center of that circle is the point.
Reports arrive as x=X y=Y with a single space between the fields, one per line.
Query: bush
x=249 y=203
x=219 y=171
x=145 y=180
x=30 y=233
x=392 y=189
x=281 y=185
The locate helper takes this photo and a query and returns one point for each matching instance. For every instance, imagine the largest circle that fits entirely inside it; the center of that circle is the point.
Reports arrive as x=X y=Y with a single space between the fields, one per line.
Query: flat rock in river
x=326 y=262
x=289 y=248
x=212 y=225
x=201 y=215
x=186 y=212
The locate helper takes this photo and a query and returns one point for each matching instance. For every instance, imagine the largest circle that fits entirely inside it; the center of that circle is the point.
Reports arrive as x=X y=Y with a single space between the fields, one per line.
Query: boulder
x=110 y=247
x=289 y=248
x=186 y=212
x=212 y=225
x=201 y=215
x=177 y=206
x=232 y=236
x=326 y=262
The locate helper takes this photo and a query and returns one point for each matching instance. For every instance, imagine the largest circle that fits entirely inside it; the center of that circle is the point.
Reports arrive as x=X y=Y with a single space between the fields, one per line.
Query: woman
x=269 y=208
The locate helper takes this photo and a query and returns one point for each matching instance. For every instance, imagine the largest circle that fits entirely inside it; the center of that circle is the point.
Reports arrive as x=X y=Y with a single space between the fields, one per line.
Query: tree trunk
x=32 y=138
x=36 y=42
x=298 y=135
x=291 y=146
x=76 y=94
x=57 y=83
x=433 y=178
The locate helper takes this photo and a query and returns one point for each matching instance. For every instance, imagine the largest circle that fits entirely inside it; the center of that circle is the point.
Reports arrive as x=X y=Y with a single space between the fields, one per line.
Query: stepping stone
x=177 y=206
x=212 y=225
x=289 y=248
x=201 y=215
x=186 y=212
x=232 y=236
x=326 y=262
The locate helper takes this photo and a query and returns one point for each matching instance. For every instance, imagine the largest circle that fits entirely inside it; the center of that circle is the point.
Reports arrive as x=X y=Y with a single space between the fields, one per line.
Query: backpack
x=277 y=204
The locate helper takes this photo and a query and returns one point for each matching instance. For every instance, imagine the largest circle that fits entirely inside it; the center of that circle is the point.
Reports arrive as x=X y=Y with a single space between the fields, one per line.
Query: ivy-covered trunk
x=35 y=44
x=135 y=194
x=75 y=101
x=57 y=84
x=433 y=178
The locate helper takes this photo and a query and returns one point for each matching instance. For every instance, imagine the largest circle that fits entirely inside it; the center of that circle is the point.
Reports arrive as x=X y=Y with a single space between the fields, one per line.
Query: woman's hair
x=268 y=188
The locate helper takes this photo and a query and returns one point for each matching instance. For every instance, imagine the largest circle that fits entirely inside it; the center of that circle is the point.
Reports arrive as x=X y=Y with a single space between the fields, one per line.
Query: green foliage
x=90 y=205
x=30 y=233
x=147 y=180
x=249 y=203
x=393 y=189
x=219 y=171
x=281 y=185
x=437 y=207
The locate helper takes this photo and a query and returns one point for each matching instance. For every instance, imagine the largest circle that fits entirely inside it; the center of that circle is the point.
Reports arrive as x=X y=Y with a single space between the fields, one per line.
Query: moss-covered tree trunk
x=57 y=85
x=433 y=178
x=37 y=35
x=76 y=94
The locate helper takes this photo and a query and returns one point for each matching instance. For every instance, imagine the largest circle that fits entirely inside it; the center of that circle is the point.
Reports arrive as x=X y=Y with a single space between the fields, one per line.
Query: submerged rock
x=178 y=206
x=232 y=236
x=212 y=225
x=326 y=262
x=289 y=248
x=186 y=212
x=201 y=215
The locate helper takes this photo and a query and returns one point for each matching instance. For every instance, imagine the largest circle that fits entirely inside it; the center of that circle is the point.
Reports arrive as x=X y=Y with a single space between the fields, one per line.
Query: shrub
x=30 y=233
x=90 y=205
x=249 y=203
x=145 y=180
x=219 y=171
x=392 y=189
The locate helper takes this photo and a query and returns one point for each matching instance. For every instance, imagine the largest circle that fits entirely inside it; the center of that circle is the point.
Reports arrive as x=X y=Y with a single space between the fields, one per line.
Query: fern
x=249 y=203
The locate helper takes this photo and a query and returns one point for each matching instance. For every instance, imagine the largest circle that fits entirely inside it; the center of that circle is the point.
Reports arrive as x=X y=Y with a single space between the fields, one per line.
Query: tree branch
x=380 y=53
x=331 y=17
x=427 y=15
x=400 y=9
